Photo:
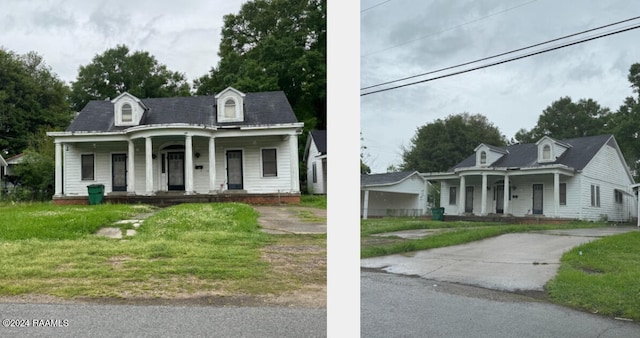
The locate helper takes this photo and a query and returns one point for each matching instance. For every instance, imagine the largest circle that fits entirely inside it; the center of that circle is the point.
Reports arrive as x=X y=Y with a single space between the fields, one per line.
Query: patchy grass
x=44 y=221
x=314 y=201
x=189 y=249
x=601 y=277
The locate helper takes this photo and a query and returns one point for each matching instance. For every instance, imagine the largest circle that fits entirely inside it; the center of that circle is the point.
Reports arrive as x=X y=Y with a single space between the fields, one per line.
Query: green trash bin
x=437 y=214
x=96 y=193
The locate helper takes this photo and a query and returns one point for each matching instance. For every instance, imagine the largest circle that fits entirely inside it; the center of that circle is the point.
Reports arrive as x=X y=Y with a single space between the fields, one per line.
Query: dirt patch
x=288 y=219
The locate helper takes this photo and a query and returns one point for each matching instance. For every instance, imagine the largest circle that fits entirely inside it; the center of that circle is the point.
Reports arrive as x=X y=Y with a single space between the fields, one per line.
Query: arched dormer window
x=546 y=152
x=483 y=157
x=127 y=113
x=230 y=105
x=230 y=108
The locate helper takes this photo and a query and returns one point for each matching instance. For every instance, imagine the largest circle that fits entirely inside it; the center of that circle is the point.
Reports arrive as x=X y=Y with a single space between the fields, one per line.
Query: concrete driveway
x=511 y=262
x=292 y=219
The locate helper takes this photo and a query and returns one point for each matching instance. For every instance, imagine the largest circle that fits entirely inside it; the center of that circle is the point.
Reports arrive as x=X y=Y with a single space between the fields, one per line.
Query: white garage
x=393 y=194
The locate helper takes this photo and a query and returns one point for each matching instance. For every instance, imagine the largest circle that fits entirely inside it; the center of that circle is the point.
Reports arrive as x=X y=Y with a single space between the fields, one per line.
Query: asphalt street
x=404 y=306
x=81 y=320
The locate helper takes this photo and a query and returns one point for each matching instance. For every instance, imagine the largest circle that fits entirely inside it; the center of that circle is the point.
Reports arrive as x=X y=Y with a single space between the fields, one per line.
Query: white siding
x=312 y=158
x=607 y=170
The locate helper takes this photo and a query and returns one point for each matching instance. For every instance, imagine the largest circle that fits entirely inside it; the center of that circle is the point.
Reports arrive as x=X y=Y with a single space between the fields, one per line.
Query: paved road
x=403 y=306
x=512 y=262
x=78 y=320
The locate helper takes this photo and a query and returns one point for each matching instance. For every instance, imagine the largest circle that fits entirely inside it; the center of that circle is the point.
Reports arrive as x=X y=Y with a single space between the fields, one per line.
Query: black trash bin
x=437 y=214
x=96 y=193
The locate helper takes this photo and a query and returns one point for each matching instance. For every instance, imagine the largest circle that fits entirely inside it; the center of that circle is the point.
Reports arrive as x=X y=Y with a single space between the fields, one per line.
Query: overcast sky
x=401 y=38
x=183 y=35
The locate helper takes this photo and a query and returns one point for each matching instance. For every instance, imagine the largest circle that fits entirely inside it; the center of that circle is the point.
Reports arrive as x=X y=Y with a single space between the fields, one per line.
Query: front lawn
x=602 y=277
x=181 y=251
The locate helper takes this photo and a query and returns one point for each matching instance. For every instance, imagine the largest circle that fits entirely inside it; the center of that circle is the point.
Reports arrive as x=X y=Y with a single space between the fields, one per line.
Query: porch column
x=148 y=165
x=58 y=169
x=365 y=205
x=293 y=153
x=212 y=165
x=188 y=164
x=425 y=205
x=463 y=198
x=506 y=195
x=483 y=209
x=131 y=172
x=556 y=194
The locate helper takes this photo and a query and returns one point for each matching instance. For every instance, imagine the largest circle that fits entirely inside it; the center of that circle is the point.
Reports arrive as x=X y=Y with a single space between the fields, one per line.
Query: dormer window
x=546 y=152
x=127 y=110
x=483 y=157
x=230 y=109
x=230 y=105
x=127 y=113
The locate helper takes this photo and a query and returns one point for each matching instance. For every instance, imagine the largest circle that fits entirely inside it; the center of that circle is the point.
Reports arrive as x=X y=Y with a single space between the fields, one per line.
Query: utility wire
x=374 y=6
x=504 y=61
x=501 y=54
x=442 y=31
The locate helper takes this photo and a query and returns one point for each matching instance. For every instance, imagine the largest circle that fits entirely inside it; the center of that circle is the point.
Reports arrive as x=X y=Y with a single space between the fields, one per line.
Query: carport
x=393 y=194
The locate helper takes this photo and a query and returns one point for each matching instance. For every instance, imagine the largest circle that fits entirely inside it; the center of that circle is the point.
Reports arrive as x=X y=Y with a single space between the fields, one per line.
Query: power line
x=374 y=6
x=501 y=54
x=504 y=61
x=442 y=31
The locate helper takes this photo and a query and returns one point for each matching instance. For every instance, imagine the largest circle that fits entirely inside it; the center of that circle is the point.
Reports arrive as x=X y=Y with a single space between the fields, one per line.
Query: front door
x=175 y=171
x=468 y=202
x=119 y=172
x=234 y=170
x=499 y=199
x=537 y=199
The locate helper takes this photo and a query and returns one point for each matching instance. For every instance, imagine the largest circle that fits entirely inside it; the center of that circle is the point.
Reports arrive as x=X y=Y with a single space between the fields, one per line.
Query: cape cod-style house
x=582 y=178
x=231 y=146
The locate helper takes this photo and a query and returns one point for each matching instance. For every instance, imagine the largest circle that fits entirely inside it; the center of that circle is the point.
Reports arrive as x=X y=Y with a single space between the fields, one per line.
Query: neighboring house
x=581 y=178
x=315 y=157
x=9 y=179
x=233 y=143
x=393 y=194
x=3 y=169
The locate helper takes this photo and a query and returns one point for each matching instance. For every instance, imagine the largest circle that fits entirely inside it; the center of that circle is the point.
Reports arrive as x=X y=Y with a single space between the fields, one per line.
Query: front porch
x=165 y=199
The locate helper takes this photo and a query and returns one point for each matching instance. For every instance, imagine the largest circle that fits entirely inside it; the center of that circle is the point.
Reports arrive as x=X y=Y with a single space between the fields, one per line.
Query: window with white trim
x=314 y=172
x=595 y=195
x=452 y=195
x=617 y=195
x=563 y=194
x=546 y=152
x=269 y=163
x=127 y=113
x=230 y=108
x=483 y=157
x=87 y=165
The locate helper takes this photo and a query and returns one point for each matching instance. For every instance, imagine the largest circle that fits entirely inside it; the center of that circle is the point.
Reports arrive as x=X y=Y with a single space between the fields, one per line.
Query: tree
x=31 y=97
x=275 y=45
x=625 y=123
x=364 y=168
x=565 y=119
x=440 y=145
x=117 y=71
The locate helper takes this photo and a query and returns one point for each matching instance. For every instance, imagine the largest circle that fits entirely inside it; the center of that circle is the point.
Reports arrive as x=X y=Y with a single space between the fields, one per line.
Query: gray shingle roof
x=387 y=178
x=525 y=155
x=320 y=139
x=264 y=108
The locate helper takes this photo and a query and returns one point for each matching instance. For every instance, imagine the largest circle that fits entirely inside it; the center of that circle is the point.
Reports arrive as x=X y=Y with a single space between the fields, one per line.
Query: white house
x=233 y=143
x=315 y=157
x=393 y=194
x=581 y=178
x=9 y=179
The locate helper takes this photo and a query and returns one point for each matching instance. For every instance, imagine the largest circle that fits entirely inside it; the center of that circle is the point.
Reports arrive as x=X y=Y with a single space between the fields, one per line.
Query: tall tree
x=32 y=97
x=625 y=123
x=117 y=71
x=440 y=145
x=275 y=45
x=567 y=119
